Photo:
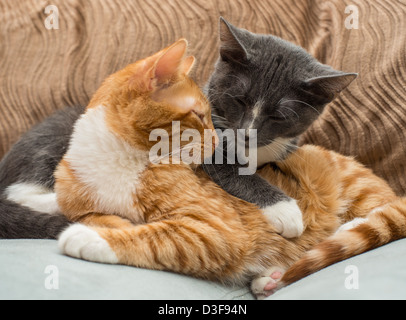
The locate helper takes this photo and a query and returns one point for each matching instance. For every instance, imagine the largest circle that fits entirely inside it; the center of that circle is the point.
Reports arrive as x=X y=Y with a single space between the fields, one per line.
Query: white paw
x=286 y=217
x=267 y=283
x=351 y=224
x=79 y=241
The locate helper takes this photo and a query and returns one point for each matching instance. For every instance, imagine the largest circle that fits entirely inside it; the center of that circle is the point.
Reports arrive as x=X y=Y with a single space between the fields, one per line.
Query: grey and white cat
x=265 y=83
x=260 y=82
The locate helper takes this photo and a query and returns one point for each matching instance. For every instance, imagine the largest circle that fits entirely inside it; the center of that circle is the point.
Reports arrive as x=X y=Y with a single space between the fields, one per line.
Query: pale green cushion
x=23 y=266
x=22 y=276
x=381 y=275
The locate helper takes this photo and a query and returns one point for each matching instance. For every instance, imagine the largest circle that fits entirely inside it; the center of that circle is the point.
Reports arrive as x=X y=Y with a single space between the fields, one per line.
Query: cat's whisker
x=233 y=96
x=286 y=144
x=178 y=151
x=219 y=117
x=234 y=76
x=293 y=111
x=272 y=150
x=283 y=115
x=220 y=120
x=213 y=167
x=305 y=103
x=291 y=145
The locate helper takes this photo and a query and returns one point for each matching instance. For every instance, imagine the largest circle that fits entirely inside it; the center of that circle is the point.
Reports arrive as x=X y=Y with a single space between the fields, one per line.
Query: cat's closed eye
x=240 y=101
x=199 y=115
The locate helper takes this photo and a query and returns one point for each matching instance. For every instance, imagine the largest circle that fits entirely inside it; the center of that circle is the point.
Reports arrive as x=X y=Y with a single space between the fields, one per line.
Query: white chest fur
x=274 y=151
x=108 y=165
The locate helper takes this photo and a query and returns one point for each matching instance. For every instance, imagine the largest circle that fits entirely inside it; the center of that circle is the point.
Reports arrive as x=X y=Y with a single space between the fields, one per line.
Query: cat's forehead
x=185 y=102
x=185 y=97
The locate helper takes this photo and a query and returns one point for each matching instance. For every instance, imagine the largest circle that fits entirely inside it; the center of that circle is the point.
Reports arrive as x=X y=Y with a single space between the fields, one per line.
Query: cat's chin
x=276 y=151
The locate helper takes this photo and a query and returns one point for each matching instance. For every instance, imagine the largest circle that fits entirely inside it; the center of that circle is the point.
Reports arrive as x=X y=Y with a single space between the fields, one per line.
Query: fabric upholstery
x=43 y=70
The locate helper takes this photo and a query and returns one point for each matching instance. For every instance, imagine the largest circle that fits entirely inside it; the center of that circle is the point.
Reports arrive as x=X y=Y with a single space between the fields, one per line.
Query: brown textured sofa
x=44 y=69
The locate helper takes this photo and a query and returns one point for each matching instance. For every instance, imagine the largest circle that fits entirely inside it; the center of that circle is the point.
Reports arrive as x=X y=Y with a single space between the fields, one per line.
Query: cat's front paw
x=82 y=242
x=286 y=217
x=267 y=283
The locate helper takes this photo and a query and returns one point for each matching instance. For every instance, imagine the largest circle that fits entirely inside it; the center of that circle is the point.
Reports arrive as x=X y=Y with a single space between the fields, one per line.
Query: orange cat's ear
x=187 y=65
x=170 y=63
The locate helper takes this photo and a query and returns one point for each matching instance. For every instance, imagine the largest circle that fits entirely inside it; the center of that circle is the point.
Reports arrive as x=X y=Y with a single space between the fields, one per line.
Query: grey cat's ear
x=231 y=48
x=330 y=86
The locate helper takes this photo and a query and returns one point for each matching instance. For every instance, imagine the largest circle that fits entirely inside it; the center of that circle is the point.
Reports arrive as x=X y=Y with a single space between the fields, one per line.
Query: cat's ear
x=328 y=87
x=168 y=65
x=187 y=65
x=231 y=48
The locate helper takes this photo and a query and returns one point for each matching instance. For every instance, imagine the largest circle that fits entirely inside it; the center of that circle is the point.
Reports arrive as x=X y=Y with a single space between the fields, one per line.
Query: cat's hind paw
x=286 y=217
x=80 y=241
x=267 y=284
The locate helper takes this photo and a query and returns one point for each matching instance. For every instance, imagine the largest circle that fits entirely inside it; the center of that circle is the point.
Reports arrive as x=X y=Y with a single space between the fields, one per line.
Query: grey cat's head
x=263 y=82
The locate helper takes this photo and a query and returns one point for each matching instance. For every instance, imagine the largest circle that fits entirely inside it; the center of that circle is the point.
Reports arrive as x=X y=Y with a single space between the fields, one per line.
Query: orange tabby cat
x=172 y=216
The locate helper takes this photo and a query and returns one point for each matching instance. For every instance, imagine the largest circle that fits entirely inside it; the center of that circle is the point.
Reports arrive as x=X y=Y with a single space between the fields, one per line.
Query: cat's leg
x=267 y=282
x=83 y=242
x=187 y=246
x=286 y=217
x=309 y=175
x=105 y=220
x=280 y=210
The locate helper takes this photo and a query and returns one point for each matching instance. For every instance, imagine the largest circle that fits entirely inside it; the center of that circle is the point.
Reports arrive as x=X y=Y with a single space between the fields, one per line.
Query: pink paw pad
x=267 y=284
x=271 y=285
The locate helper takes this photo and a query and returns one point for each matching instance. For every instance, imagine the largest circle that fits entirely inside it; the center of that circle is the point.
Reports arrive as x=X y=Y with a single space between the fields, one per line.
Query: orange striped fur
x=330 y=185
x=173 y=217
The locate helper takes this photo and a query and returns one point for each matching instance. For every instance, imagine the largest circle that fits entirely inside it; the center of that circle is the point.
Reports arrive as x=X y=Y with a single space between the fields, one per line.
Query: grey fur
x=291 y=87
x=33 y=159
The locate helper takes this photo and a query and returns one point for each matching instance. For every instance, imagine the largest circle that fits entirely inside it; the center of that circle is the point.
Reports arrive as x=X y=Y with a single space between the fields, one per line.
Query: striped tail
x=382 y=226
